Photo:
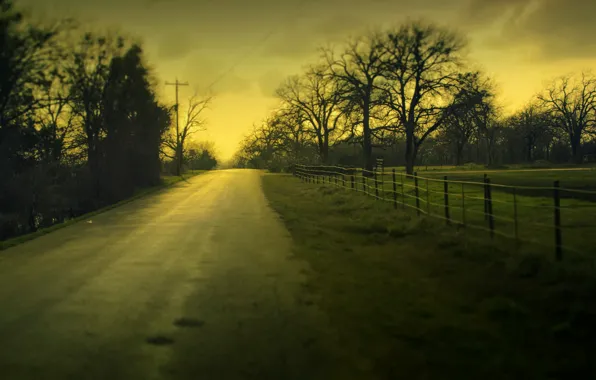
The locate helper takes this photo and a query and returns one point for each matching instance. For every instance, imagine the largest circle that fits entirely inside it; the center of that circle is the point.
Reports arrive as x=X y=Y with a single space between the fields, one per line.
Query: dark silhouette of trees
x=572 y=104
x=408 y=95
x=175 y=141
x=318 y=98
x=80 y=124
x=201 y=156
x=425 y=81
x=534 y=126
x=359 y=70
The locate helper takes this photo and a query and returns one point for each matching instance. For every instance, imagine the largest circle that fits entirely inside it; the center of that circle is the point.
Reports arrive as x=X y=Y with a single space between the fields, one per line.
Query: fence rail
x=497 y=209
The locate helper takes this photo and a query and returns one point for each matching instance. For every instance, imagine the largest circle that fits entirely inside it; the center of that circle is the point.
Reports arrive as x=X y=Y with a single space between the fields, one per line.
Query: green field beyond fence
x=552 y=218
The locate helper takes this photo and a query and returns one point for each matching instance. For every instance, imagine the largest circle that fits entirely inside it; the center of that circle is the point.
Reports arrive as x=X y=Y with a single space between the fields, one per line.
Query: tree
x=175 y=141
x=572 y=104
x=458 y=130
x=423 y=67
x=465 y=118
x=27 y=57
x=89 y=72
x=134 y=123
x=318 y=98
x=532 y=123
x=201 y=155
x=359 y=70
x=80 y=126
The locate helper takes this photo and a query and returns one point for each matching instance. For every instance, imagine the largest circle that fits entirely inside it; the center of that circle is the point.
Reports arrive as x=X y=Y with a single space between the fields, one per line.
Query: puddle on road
x=188 y=322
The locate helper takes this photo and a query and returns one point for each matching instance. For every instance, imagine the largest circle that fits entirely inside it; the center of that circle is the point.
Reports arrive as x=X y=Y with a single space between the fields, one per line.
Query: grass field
x=416 y=299
x=583 y=178
x=525 y=214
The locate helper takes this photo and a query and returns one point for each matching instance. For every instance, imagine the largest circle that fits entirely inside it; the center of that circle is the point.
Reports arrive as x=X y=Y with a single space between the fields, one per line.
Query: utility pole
x=178 y=142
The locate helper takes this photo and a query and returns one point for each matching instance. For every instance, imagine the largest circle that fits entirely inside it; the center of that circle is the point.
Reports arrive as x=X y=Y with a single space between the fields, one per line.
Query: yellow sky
x=519 y=43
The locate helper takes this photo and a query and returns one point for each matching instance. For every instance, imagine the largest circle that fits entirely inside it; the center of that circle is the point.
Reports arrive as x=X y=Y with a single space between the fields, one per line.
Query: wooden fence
x=536 y=215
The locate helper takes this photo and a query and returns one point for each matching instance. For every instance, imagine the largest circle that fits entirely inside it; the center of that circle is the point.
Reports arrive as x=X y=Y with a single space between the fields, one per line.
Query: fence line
x=497 y=209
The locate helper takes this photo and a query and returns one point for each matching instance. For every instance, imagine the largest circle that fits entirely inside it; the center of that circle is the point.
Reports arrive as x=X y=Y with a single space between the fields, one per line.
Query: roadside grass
x=416 y=299
x=524 y=215
x=568 y=178
x=166 y=181
x=481 y=167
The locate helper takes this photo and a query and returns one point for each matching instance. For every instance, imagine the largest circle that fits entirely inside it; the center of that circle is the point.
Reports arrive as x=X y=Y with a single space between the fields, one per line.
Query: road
x=195 y=282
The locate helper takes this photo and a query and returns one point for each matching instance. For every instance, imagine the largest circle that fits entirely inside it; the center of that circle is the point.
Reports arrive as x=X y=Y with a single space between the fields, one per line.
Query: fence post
x=352 y=180
x=463 y=205
x=515 y=225
x=403 y=195
x=394 y=189
x=485 y=197
x=416 y=193
x=364 y=183
x=383 y=181
x=446 y=197
x=558 y=237
x=427 y=198
x=376 y=186
x=489 y=206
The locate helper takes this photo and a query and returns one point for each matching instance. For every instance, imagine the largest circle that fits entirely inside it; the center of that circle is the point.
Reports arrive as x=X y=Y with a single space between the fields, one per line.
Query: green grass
x=166 y=181
x=483 y=168
x=415 y=299
x=533 y=209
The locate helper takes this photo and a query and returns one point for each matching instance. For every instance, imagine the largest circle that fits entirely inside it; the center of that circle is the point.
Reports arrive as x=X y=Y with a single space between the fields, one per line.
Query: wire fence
x=563 y=221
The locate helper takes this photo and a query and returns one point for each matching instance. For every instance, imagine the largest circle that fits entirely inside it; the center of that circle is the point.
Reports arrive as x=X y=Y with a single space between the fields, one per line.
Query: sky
x=241 y=50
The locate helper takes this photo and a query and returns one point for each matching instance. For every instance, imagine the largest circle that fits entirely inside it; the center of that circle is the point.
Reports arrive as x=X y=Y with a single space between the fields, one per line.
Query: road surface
x=195 y=282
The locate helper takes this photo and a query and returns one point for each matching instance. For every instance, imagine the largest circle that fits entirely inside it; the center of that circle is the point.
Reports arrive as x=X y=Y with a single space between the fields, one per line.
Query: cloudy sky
x=250 y=46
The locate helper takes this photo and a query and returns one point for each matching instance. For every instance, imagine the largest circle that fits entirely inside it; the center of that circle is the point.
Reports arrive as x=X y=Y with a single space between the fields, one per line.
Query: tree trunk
x=459 y=152
x=529 y=156
x=410 y=151
x=576 y=150
x=324 y=150
x=367 y=141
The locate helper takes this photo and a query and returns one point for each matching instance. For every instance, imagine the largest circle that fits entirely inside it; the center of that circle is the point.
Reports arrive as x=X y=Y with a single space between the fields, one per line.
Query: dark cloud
x=558 y=29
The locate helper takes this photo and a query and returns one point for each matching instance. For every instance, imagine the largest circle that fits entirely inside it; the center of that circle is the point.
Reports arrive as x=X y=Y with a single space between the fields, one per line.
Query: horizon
x=249 y=50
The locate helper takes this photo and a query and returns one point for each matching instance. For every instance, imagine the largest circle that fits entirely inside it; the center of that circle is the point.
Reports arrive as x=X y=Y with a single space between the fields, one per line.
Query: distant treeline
x=409 y=94
x=80 y=125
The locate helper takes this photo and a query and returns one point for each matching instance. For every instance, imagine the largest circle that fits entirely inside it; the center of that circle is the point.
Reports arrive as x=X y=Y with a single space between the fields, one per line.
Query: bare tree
x=319 y=97
x=572 y=104
x=175 y=142
x=457 y=132
x=424 y=71
x=56 y=116
x=533 y=123
x=359 y=68
x=294 y=133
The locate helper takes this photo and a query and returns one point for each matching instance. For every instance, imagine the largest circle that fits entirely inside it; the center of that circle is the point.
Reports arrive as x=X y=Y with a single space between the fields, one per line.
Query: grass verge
x=523 y=214
x=167 y=181
x=419 y=300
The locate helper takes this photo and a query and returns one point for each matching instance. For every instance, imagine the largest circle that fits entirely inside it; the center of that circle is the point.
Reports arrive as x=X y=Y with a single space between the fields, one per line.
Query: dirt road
x=195 y=282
